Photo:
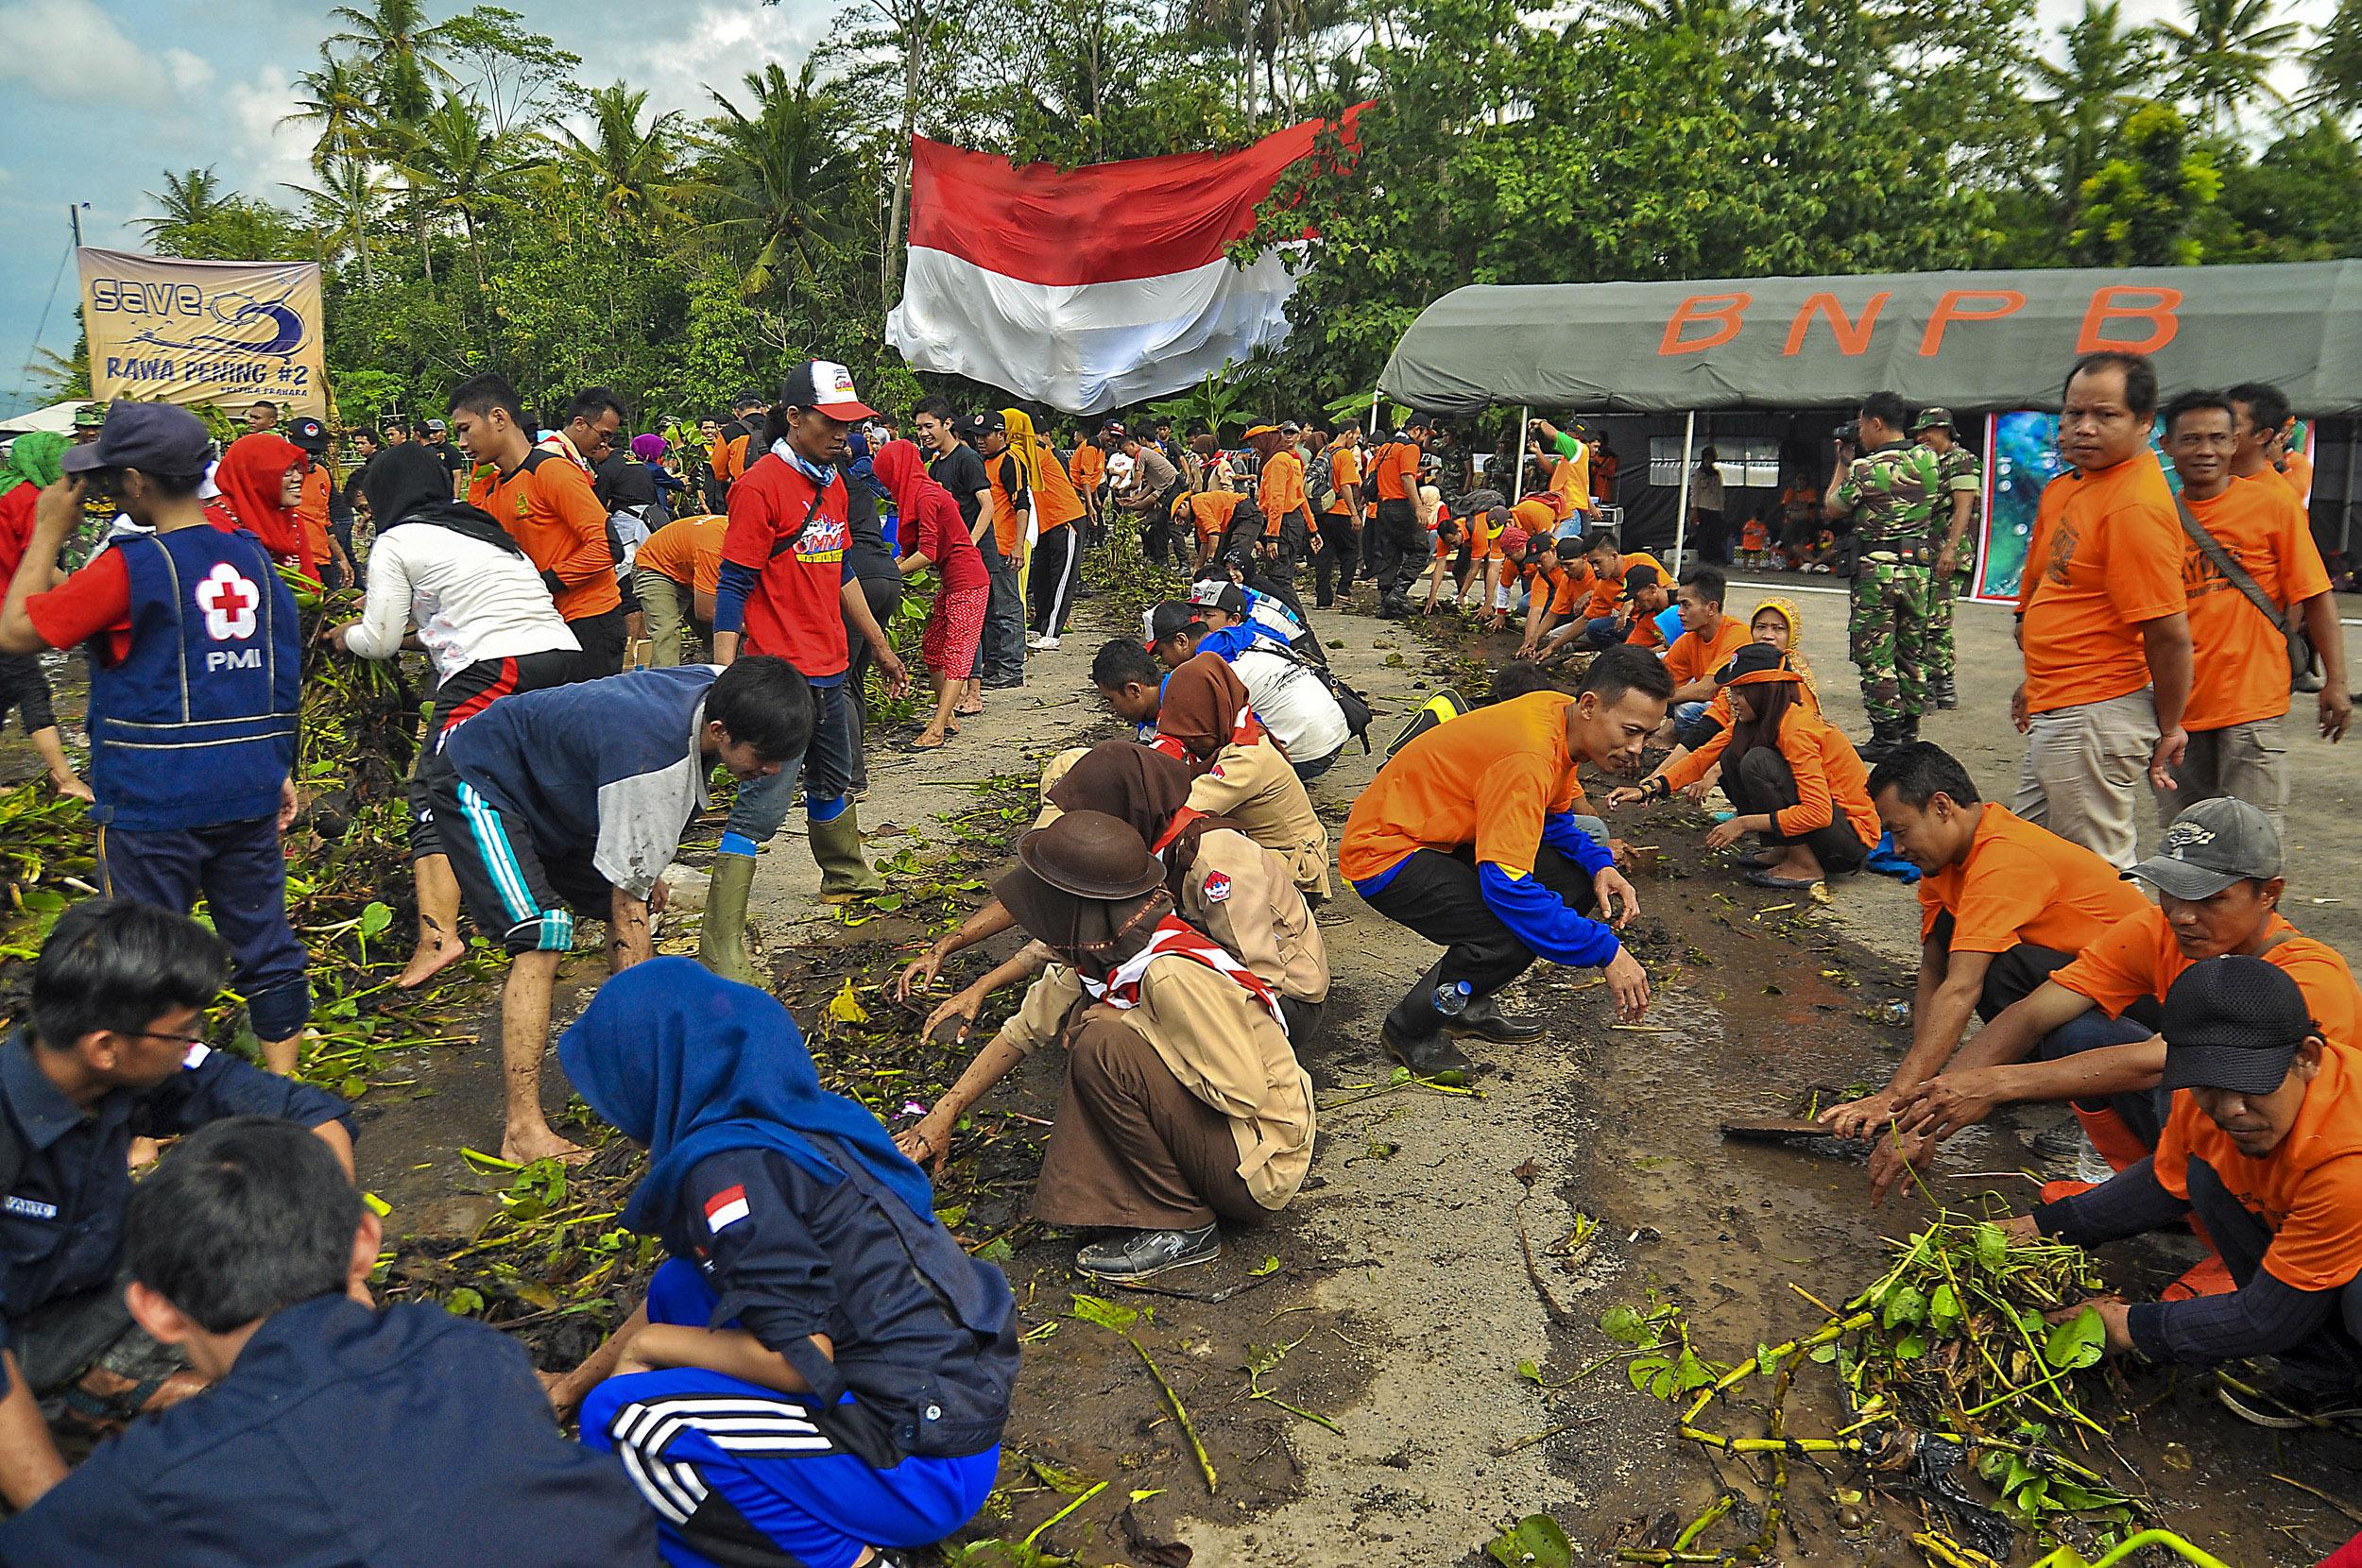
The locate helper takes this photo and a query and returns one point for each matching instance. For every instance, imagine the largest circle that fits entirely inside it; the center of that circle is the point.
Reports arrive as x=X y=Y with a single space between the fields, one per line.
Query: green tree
x=2144 y=205
x=2223 y=58
x=514 y=75
x=190 y=198
x=781 y=178
x=461 y=167
x=2109 y=70
x=2334 y=64
x=403 y=51
x=335 y=97
x=627 y=168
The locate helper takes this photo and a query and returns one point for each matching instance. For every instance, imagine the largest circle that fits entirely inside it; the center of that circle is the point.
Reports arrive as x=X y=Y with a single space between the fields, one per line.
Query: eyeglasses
x=183 y=1041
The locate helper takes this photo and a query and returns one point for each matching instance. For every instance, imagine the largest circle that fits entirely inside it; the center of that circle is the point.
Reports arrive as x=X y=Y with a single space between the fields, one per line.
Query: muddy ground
x=1442 y=1239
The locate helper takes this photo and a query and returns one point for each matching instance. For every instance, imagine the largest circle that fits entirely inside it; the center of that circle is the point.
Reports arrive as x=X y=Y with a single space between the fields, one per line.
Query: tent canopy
x=1979 y=340
x=56 y=418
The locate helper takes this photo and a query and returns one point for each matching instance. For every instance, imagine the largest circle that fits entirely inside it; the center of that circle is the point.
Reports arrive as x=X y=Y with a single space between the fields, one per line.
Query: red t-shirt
x=16 y=528
x=796 y=610
x=943 y=539
x=93 y=600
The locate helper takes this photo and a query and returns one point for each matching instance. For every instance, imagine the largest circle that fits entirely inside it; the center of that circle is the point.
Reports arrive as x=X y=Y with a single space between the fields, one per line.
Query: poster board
x=2021 y=457
x=163 y=330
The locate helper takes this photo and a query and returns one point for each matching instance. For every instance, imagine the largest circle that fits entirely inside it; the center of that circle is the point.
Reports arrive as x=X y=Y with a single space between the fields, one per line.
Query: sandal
x=1763 y=879
x=920 y=743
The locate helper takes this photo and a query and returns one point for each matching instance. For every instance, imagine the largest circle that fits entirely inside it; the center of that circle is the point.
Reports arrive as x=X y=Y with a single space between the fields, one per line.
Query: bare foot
x=71 y=786
x=434 y=953
x=1800 y=864
x=539 y=1143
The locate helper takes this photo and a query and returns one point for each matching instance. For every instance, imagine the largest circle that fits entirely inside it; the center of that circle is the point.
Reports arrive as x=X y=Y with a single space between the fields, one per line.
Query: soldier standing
x=1963 y=491
x=1890 y=490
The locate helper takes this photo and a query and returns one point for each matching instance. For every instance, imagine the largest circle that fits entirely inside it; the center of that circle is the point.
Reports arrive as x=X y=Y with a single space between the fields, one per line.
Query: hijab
x=1786 y=610
x=1092 y=936
x=1025 y=446
x=648 y=449
x=35 y=458
x=1146 y=789
x=408 y=484
x=249 y=474
x=917 y=497
x=691 y=1065
x=1203 y=706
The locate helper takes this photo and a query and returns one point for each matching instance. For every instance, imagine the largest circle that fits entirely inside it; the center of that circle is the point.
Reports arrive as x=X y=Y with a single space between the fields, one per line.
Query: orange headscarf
x=249 y=477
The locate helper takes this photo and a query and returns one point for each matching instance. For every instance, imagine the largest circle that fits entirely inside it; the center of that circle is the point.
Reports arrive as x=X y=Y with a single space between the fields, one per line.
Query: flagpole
x=1681 y=517
x=1518 y=444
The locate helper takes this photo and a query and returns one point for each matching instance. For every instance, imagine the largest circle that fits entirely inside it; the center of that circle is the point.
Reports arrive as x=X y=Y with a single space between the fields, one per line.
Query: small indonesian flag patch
x=726 y=1208
x=1217 y=887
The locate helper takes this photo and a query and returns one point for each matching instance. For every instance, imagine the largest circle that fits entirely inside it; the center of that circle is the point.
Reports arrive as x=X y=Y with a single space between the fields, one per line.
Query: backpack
x=1352 y=704
x=1316 y=479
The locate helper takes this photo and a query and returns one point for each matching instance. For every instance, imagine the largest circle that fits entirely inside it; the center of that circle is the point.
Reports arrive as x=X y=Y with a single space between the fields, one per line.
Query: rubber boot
x=1910 y=731
x=1885 y=735
x=837 y=845
x=722 y=938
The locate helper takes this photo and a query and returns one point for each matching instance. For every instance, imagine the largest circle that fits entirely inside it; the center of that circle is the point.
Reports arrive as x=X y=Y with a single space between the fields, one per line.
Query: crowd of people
x=818 y=1373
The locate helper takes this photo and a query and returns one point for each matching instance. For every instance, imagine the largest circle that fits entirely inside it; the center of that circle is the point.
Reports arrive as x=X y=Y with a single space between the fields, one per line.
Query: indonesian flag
x=1087 y=289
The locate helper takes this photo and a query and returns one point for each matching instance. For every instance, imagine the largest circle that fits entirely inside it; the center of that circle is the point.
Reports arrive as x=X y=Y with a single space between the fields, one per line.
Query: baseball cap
x=2213 y=845
x=436 y=425
x=749 y=399
x=1419 y=419
x=2233 y=1023
x=1113 y=427
x=1931 y=417
x=1207 y=592
x=1253 y=431
x=825 y=386
x=1289 y=427
x=977 y=426
x=1641 y=575
x=309 y=433
x=1168 y=618
x=151 y=437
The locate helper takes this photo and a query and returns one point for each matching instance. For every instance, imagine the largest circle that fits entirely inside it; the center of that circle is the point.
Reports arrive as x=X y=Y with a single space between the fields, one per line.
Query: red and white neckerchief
x=1172 y=748
x=1181 y=819
x=559 y=442
x=1176 y=938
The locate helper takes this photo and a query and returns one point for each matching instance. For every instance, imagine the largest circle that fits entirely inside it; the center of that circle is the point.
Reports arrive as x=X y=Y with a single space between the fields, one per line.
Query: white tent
x=56 y=418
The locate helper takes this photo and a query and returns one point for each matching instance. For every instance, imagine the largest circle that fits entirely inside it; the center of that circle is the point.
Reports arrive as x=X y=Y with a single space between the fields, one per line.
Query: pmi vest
x=196 y=725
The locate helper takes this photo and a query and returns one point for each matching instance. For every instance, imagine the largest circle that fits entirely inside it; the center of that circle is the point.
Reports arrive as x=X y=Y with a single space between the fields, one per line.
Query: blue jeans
x=242 y=872
x=1001 y=656
x=825 y=766
x=2143 y=1111
x=1602 y=632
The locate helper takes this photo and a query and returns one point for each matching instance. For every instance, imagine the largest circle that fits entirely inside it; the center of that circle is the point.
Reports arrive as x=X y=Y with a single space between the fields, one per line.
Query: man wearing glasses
x=113 y=1048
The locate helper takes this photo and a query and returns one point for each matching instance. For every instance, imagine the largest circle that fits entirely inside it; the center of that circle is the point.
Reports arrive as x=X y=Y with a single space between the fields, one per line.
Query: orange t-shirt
x=1056 y=504
x=2308 y=1191
x=1570 y=483
x=2105 y=556
x=1753 y=536
x=1535 y=516
x=1488 y=778
x=1558 y=588
x=1481 y=541
x=1279 y=489
x=1397 y=471
x=311 y=516
x=2298 y=473
x=1088 y=467
x=2024 y=884
x=687 y=549
x=546 y=505
x=2138 y=956
x=1344 y=468
x=2239 y=667
x=1606 y=592
x=1604 y=478
x=1008 y=523
x=1830 y=779
x=1694 y=659
x=1212 y=510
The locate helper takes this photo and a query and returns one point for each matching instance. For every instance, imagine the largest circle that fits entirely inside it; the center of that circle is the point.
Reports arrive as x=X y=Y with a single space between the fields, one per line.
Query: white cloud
x=717 y=45
x=270 y=153
x=190 y=73
x=71 y=50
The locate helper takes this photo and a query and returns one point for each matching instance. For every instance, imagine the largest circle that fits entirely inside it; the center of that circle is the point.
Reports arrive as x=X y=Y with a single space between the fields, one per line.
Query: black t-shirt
x=961 y=472
x=448 y=455
x=866 y=554
x=621 y=481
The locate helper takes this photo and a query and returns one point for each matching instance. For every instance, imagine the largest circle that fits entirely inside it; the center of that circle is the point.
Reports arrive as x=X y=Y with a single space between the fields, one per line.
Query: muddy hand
x=1896 y=1155
x=920 y=975
x=1859 y=1118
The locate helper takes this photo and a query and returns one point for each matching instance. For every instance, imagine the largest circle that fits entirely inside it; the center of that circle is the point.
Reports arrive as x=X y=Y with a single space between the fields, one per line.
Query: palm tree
x=340 y=207
x=2335 y=62
x=629 y=170
x=2110 y=69
x=188 y=198
x=336 y=98
x=2225 y=57
x=455 y=163
x=401 y=48
x=784 y=182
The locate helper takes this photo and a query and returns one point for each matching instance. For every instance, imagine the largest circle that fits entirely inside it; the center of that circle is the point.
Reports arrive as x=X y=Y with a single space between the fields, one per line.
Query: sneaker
x=1143 y=1254
x=2264 y=1398
x=1427 y=1056
x=1033 y=644
x=1044 y=645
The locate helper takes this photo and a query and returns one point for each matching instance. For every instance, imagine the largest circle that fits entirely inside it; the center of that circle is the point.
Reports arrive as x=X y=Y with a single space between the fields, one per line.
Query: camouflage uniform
x=1891 y=495
x=1960 y=471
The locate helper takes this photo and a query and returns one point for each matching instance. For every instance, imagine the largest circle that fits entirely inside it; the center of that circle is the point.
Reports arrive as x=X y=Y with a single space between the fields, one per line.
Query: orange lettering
x=1728 y=309
x=1955 y=306
x=2109 y=302
x=1853 y=338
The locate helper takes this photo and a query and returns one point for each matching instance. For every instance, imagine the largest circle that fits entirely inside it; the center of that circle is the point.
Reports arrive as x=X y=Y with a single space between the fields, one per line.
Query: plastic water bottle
x=1452 y=1000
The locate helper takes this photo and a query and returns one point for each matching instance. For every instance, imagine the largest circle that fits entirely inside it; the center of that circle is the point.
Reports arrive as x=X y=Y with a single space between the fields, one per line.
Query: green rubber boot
x=837 y=845
x=722 y=940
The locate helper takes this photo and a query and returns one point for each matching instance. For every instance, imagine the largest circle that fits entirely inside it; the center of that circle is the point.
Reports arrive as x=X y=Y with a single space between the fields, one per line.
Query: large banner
x=2022 y=456
x=1088 y=289
x=168 y=331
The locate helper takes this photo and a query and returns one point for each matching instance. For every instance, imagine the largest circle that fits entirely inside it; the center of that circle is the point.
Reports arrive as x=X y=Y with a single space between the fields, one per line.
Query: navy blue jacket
x=345 y=1438
x=62 y=1218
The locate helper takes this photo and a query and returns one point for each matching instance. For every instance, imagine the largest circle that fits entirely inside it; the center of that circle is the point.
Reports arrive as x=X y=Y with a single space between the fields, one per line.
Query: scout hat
x=1092 y=855
x=825 y=386
x=1930 y=419
x=2213 y=845
x=155 y=438
x=1253 y=431
x=2233 y=1023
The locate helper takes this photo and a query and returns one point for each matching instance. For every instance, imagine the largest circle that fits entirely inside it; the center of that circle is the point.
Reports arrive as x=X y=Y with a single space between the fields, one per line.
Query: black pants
x=1437 y=896
x=1711 y=539
x=2331 y=1361
x=883 y=598
x=1057 y=564
x=602 y=639
x=467 y=693
x=24 y=687
x=1763 y=782
x=1401 y=545
x=1333 y=564
x=1156 y=524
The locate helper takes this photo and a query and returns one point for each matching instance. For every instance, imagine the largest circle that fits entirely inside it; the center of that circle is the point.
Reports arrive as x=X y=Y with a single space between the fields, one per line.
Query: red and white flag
x=1087 y=289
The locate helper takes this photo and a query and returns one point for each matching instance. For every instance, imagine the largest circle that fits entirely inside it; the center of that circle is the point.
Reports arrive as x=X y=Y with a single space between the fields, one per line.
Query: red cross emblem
x=229 y=601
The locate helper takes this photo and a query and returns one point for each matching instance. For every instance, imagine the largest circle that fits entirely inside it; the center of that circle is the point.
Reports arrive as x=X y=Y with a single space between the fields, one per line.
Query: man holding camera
x=1890 y=489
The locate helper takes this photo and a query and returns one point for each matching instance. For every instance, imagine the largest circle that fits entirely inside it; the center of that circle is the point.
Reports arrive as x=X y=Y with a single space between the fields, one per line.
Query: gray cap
x=155 y=438
x=2213 y=845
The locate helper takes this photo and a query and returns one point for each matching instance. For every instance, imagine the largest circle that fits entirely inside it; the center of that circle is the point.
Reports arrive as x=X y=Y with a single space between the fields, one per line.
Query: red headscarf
x=249 y=477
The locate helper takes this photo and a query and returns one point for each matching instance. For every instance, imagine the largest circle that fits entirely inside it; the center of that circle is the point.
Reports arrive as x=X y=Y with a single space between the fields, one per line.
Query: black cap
x=2213 y=845
x=749 y=400
x=1114 y=428
x=1168 y=618
x=1641 y=575
x=1753 y=658
x=309 y=433
x=152 y=437
x=977 y=426
x=2233 y=1023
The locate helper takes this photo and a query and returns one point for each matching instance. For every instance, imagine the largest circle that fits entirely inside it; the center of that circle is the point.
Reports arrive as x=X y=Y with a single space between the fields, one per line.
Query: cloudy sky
x=98 y=97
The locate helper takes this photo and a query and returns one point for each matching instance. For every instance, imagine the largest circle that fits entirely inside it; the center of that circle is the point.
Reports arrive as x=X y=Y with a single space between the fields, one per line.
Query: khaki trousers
x=666 y=604
x=2247 y=761
x=2085 y=766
